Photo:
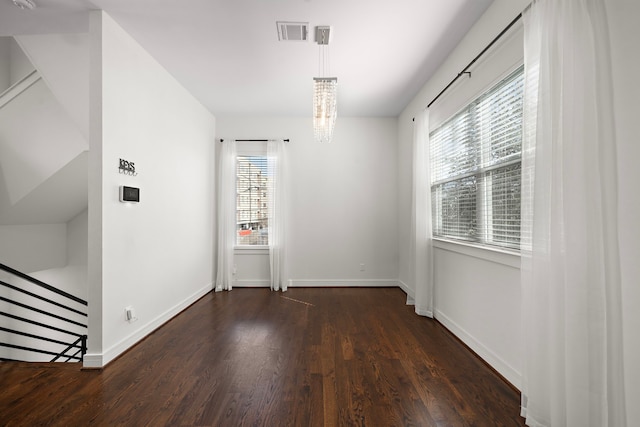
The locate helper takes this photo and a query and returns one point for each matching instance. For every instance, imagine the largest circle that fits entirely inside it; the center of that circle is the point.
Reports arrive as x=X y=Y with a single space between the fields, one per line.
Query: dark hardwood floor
x=252 y=357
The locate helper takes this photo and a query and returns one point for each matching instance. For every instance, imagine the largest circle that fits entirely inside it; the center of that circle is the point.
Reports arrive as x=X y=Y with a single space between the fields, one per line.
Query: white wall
x=42 y=150
x=5 y=60
x=479 y=299
x=63 y=62
x=476 y=297
x=19 y=65
x=77 y=237
x=72 y=276
x=30 y=248
x=155 y=255
x=37 y=139
x=623 y=25
x=342 y=201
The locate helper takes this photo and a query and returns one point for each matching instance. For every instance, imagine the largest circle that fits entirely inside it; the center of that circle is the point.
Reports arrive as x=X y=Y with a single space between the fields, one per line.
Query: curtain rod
x=254 y=140
x=465 y=70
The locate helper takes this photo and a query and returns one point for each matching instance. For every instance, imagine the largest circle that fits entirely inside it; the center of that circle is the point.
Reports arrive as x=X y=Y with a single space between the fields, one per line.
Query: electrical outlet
x=130 y=314
x=362 y=267
x=235 y=270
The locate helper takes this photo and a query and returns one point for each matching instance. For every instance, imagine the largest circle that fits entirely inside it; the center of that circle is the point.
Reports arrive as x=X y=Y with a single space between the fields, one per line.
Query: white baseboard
x=93 y=361
x=420 y=311
x=407 y=290
x=365 y=283
x=507 y=371
x=256 y=283
x=345 y=283
x=411 y=300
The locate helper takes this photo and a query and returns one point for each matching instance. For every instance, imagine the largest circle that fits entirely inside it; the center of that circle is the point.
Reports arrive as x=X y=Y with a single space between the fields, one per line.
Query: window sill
x=506 y=257
x=251 y=250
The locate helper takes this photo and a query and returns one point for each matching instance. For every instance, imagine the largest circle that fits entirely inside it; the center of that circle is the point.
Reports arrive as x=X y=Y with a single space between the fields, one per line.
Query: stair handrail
x=42 y=284
x=79 y=346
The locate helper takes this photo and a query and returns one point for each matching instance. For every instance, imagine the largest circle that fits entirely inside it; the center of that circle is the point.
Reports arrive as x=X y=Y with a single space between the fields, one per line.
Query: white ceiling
x=227 y=53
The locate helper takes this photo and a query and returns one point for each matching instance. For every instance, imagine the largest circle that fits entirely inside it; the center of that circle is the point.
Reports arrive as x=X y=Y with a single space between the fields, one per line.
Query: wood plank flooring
x=252 y=357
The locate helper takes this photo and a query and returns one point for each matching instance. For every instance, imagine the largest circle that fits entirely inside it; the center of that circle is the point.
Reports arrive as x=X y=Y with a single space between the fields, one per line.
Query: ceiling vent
x=293 y=31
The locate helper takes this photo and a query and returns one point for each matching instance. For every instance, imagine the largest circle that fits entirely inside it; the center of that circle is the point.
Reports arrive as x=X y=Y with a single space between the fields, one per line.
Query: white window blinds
x=253 y=189
x=475 y=168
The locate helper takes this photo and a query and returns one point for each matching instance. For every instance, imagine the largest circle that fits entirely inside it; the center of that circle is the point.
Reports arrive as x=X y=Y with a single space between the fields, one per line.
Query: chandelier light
x=325 y=90
x=24 y=4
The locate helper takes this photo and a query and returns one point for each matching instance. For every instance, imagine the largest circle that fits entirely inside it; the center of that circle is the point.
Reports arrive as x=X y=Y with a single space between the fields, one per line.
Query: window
x=475 y=169
x=252 y=199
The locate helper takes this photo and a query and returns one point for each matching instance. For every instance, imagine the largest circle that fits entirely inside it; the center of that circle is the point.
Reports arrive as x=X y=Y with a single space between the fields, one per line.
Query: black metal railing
x=41 y=324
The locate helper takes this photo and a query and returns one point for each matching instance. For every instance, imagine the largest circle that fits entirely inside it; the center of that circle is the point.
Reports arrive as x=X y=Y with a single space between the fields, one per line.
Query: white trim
x=422 y=312
x=496 y=255
x=338 y=283
x=18 y=87
x=507 y=371
x=251 y=283
x=92 y=361
x=411 y=300
x=251 y=250
x=101 y=360
x=407 y=290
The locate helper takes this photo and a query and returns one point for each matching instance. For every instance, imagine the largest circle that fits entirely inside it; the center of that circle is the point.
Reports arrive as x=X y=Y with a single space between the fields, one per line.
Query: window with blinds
x=475 y=168
x=253 y=189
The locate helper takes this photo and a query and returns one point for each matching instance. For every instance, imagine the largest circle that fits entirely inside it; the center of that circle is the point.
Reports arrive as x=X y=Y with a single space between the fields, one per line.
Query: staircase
x=38 y=322
x=43 y=189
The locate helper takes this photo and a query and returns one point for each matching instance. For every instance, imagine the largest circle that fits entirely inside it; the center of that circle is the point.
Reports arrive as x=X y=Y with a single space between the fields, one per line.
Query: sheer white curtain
x=277 y=254
x=421 y=245
x=226 y=215
x=571 y=305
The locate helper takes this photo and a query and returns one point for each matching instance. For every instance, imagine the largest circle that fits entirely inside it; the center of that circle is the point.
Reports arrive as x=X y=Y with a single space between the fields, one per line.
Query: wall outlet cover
x=130 y=314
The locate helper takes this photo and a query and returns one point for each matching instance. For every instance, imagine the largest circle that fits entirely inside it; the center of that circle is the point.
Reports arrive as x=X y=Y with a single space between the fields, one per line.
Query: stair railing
x=73 y=347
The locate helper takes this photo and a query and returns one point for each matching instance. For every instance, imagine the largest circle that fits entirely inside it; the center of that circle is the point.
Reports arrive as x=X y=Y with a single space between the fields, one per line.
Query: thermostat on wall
x=129 y=194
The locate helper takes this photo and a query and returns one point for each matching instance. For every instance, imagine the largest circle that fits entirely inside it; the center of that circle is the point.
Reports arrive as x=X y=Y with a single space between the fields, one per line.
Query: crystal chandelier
x=324 y=107
x=325 y=91
x=24 y=4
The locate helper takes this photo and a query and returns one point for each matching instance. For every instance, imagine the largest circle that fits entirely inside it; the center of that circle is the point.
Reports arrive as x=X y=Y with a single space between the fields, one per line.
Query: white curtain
x=226 y=215
x=276 y=169
x=421 y=243
x=571 y=304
